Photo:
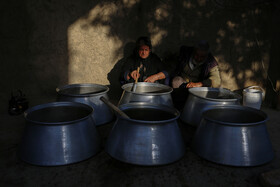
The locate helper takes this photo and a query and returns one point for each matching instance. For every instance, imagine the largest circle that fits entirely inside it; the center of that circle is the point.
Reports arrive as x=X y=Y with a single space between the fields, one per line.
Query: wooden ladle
x=136 y=81
x=114 y=108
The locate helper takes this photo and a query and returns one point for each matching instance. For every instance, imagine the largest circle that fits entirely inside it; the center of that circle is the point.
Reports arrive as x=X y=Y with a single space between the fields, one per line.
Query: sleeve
x=128 y=66
x=161 y=67
x=126 y=69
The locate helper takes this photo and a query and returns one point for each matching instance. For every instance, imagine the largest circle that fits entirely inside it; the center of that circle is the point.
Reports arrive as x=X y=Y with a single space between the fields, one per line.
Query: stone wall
x=46 y=44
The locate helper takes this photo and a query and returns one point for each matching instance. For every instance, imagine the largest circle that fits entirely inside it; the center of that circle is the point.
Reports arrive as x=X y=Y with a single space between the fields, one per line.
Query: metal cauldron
x=147 y=92
x=233 y=135
x=59 y=133
x=88 y=94
x=202 y=98
x=150 y=137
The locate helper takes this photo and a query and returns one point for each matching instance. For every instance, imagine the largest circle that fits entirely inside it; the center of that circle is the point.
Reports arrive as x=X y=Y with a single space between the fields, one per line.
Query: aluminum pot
x=147 y=92
x=88 y=94
x=201 y=99
x=59 y=133
x=150 y=136
x=233 y=135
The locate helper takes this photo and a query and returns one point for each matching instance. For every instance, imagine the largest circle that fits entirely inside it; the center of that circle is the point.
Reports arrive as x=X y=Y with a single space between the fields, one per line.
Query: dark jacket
x=184 y=57
x=150 y=66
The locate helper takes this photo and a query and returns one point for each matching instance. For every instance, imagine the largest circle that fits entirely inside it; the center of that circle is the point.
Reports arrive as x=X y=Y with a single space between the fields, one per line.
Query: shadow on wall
x=272 y=98
x=231 y=29
x=14 y=64
x=36 y=41
x=34 y=46
x=114 y=75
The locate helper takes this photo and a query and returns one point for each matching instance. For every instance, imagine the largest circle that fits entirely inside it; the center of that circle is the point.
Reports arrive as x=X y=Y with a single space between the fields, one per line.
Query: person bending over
x=197 y=67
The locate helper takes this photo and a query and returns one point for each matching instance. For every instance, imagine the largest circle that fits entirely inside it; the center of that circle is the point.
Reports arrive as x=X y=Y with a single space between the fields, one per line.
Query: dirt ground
x=103 y=170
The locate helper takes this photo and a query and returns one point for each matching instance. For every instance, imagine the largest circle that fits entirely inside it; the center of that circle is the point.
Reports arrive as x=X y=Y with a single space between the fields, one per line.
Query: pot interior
x=235 y=116
x=149 y=114
x=211 y=94
x=58 y=114
x=81 y=89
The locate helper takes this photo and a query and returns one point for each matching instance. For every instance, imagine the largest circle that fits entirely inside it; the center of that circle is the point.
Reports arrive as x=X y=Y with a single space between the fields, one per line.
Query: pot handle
x=113 y=107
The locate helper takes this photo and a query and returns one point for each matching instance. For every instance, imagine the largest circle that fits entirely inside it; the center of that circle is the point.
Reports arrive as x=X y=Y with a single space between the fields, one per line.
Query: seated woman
x=151 y=67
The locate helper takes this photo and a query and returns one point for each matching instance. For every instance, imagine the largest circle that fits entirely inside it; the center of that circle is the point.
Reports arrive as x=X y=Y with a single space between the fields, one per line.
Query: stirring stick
x=136 y=81
x=113 y=107
x=132 y=89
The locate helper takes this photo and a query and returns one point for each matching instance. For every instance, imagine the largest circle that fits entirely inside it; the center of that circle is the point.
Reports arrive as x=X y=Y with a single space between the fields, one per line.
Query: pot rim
x=60 y=89
x=237 y=107
x=149 y=105
x=192 y=91
x=170 y=89
x=46 y=105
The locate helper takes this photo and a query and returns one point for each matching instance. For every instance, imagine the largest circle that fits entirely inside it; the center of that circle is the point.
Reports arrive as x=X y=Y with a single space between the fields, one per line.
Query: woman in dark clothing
x=151 y=67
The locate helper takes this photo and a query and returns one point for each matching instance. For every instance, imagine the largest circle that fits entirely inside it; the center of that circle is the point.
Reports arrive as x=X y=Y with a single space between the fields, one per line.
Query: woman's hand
x=194 y=84
x=151 y=78
x=135 y=75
